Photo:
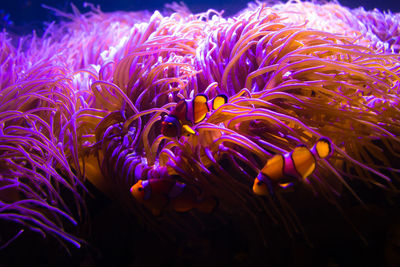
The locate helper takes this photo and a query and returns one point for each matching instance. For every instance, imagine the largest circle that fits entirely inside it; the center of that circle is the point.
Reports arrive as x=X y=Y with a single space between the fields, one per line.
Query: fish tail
x=322 y=148
x=218 y=101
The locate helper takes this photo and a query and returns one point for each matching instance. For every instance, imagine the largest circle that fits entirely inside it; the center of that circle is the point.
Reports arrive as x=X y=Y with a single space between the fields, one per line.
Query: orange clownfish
x=283 y=169
x=163 y=193
x=189 y=112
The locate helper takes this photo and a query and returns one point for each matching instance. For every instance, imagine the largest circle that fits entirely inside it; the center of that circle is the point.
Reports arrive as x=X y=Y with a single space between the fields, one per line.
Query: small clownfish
x=164 y=193
x=283 y=169
x=189 y=112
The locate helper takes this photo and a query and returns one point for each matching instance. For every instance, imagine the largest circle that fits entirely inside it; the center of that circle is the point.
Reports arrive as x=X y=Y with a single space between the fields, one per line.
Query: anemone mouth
x=68 y=115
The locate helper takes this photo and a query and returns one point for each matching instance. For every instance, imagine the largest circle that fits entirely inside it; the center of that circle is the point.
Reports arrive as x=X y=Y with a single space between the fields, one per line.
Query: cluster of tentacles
x=93 y=109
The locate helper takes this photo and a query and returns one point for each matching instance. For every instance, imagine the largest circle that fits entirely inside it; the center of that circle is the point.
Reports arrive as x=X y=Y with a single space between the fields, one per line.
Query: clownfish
x=189 y=112
x=164 y=193
x=283 y=169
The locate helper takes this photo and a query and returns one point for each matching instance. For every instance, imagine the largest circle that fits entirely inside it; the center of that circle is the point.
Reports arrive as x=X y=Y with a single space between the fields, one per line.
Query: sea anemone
x=287 y=83
x=40 y=191
x=92 y=109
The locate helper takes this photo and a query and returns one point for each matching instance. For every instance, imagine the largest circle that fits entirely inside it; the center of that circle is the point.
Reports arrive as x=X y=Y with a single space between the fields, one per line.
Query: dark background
x=22 y=16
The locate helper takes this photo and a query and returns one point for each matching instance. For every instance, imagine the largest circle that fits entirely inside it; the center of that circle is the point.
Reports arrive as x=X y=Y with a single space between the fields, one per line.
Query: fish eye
x=259 y=183
x=140 y=189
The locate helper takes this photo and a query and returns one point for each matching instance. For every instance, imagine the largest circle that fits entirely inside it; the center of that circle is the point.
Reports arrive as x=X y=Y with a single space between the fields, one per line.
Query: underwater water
x=25 y=15
x=153 y=134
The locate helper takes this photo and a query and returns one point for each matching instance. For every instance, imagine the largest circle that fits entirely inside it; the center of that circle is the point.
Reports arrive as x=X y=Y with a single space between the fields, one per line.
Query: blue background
x=22 y=16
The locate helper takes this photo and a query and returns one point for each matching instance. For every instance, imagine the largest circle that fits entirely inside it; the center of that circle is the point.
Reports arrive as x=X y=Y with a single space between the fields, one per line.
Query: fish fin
x=156 y=212
x=187 y=129
x=180 y=205
x=200 y=108
x=208 y=205
x=285 y=185
x=263 y=185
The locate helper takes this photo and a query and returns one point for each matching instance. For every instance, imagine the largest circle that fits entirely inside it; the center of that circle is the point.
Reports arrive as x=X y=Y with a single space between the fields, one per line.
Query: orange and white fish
x=166 y=193
x=283 y=169
x=188 y=112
